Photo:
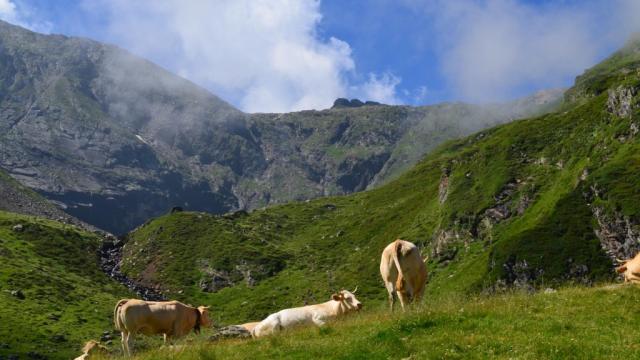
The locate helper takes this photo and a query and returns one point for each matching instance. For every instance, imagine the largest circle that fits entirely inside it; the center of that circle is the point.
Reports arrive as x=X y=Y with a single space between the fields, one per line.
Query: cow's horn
x=354 y=290
x=621 y=261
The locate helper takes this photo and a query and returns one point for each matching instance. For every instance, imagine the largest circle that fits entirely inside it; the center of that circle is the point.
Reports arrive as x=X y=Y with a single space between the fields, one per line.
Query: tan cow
x=92 y=349
x=173 y=319
x=341 y=303
x=403 y=271
x=630 y=269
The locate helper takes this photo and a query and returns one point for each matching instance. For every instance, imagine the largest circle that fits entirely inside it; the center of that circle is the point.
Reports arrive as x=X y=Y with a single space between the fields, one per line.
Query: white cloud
x=21 y=14
x=264 y=55
x=492 y=48
x=7 y=10
x=380 y=88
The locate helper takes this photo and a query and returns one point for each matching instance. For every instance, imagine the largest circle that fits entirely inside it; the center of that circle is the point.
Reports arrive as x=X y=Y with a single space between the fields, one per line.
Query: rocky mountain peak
x=353 y=103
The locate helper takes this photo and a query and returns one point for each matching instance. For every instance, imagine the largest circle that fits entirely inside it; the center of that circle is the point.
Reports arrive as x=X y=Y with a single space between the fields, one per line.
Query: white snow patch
x=141 y=139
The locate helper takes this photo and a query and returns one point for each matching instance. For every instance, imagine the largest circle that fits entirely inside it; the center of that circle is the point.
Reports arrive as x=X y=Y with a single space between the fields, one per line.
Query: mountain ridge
x=118 y=139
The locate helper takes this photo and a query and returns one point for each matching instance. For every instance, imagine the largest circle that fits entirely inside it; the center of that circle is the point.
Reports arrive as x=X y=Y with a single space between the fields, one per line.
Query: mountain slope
x=53 y=295
x=118 y=139
x=536 y=202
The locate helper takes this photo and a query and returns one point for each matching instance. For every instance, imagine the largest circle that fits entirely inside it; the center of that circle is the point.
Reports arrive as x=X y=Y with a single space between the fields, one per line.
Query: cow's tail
x=396 y=254
x=117 y=321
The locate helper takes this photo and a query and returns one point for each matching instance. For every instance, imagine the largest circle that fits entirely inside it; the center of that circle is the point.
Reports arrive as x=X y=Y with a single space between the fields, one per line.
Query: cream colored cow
x=91 y=350
x=173 y=319
x=250 y=326
x=630 y=269
x=341 y=303
x=403 y=271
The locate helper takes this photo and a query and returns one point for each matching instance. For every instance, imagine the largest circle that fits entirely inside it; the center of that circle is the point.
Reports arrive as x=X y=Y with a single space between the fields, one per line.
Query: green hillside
x=53 y=295
x=537 y=202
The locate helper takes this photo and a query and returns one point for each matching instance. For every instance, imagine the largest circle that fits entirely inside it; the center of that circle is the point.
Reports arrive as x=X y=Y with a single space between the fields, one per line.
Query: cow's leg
x=129 y=343
x=419 y=294
x=410 y=294
x=405 y=295
x=318 y=320
x=123 y=340
x=390 y=291
x=268 y=326
x=403 y=299
x=126 y=343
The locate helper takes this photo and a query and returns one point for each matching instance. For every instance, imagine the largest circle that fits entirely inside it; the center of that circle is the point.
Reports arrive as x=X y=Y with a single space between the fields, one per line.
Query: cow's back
x=410 y=262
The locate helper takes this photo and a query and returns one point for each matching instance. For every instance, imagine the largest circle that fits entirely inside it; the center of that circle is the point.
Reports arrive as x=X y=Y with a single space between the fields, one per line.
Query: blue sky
x=282 y=55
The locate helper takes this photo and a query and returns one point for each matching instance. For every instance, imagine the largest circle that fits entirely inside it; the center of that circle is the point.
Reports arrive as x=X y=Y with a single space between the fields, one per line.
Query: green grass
x=568 y=324
x=68 y=300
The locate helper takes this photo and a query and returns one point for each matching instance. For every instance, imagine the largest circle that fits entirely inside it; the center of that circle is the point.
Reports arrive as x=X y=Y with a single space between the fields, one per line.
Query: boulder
x=231 y=331
x=18 y=294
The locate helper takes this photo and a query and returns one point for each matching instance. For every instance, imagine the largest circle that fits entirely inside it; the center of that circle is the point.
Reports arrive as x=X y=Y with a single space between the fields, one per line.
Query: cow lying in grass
x=630 y=269
x=173 y=319
x=250 y=326
x=91 y=350
x=340 y=304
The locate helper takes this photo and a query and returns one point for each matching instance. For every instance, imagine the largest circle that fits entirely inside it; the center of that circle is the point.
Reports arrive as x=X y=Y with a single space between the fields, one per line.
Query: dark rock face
x=115 y=139
x=346 y=103
x=18 y=199
x=356 y=173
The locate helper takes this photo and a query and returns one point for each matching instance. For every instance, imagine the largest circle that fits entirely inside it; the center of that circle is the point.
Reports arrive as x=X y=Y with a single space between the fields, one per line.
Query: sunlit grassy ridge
x=573 y=323
x=67 y=298
x=546 y=174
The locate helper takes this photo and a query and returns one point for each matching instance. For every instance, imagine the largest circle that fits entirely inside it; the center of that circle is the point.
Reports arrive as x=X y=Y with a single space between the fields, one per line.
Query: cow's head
x=348 y=299
x=93 y=347
x=204 y=316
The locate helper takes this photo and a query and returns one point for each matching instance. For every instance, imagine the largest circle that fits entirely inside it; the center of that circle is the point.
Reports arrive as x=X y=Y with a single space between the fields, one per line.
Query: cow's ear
x=336 y=297
x=621 y=269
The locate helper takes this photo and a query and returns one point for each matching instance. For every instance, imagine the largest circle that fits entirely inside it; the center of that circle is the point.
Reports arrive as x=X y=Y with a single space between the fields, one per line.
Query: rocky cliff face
x=18 y=199
x=117 y=139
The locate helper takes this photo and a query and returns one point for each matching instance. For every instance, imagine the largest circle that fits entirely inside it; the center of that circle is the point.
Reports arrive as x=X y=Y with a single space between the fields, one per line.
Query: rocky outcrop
x=346 y=103
x=213 y=280
x=618 y=234
x=443 y=187
x=231 y=331
x=447 y=244
x=621 y=101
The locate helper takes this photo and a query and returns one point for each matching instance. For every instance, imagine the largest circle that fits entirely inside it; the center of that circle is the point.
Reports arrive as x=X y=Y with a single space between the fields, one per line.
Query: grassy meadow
x=573 y=323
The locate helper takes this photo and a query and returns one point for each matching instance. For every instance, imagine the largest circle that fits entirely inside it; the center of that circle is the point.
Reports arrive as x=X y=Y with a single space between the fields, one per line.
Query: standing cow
x=403 y=271
x=173 y=319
